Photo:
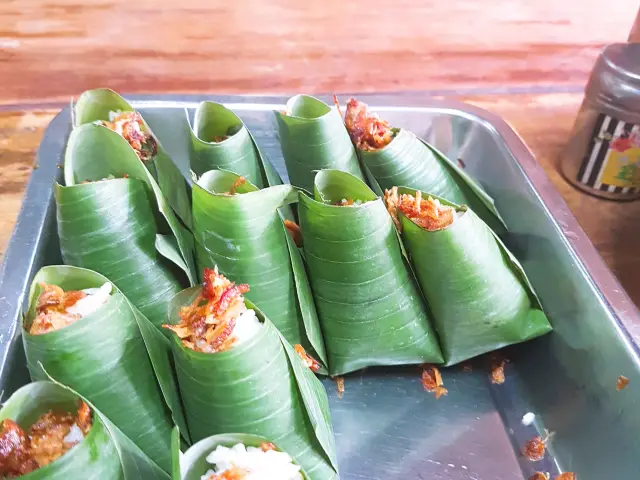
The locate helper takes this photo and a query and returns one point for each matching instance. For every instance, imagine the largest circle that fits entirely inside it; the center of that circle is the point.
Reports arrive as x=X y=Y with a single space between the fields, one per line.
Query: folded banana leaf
x=221 y=141
x=409 y=161
x=313 y=137
x=370 y=308
x=121 y=227
x=98 y=106
x=478 y=293
x=260 y=387
x=113 y=357
x=105 y=453
x=193 y=463
x=244 y=235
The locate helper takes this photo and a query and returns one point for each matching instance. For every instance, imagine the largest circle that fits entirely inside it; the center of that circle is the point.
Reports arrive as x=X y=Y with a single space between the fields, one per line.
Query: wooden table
x=513 y=57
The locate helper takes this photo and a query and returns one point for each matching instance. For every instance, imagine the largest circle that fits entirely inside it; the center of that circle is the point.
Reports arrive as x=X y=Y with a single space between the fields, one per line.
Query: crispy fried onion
x=432 y=380
x=366 y=130
x=50 y=437
x=51 y=311
x=239 y=181
x=206 y=325
x=293 y=229
x=234 y=473
x=426 y=213
x=307 y=359
x=130 y=126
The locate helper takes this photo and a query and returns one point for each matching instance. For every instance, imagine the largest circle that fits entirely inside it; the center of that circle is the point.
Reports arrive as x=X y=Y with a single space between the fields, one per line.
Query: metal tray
x=387 y=427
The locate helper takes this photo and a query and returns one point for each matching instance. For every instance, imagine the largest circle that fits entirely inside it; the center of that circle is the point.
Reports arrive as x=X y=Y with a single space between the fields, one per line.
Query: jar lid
x=615 y=78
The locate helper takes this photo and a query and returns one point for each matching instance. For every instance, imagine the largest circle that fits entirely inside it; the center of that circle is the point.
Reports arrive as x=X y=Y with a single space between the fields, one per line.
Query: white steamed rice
x=96 y=297
x=259 y=465
x=247 y=326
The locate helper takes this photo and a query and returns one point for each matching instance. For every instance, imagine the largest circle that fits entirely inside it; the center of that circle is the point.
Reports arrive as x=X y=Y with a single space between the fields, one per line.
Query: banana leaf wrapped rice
x=313 y=137
x=370 y=308
x=239 y=228
x=238 y=374
x=48 y=431
x=478 y=293
x=84 y=333
x=113 y=218
x=234 y=456
x=395 y=156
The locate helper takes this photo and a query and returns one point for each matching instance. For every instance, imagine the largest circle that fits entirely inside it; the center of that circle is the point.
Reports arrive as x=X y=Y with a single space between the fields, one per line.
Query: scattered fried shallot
x=566 y=476
x=534 y=449
x=307 y=359
x=239 y=181
x=539 y=476
x=340 y=386
x=432 y=380
x=130 y=126
x=51 y=310
x=497 y=369
x=267 y=446
x=622 y=382
x=294 y=231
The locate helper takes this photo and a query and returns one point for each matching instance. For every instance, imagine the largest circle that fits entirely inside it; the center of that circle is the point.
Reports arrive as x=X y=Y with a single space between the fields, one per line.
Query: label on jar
x=612 y=161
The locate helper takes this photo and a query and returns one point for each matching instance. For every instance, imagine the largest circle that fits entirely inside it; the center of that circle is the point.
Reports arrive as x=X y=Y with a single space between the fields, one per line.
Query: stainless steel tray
x=387 y=427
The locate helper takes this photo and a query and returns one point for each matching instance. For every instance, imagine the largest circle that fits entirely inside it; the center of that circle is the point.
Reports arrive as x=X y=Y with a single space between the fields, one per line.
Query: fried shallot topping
x=566 y=476
x=432 y=380
x=266 y=446
x=366 y=130
x=426 y=213
x=129 y=125
x=534 y=449
x=347 y=202
x=307 y=359
x=293 y=229
x=539 y=476
x=219 y=138
x=207 y=324
x=622 y=382
x=51 y=311
x=239 y=181
x=50 y=437
x=234 y=473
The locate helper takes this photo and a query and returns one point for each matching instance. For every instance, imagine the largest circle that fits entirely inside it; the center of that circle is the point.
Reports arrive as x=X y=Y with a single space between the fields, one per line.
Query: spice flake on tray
x=130 y=126
x=340 y=386
x=432 y=381
x=217 y=319
x=622 y=382
x=57 y=309
x=535 y=448
x=47 y=439
x=497 y=370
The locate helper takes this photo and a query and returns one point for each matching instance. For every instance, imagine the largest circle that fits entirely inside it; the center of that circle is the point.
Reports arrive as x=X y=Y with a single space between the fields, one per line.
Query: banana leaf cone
x=104 y=453
x=101 y=105
x=370 y=308
x=221 y=141
x=260 y=387
x=396 y=156
x=478 y=293
x=112 y=356
x=313 y=137
x=192 y=465
x=244 y=235
x=112 y=218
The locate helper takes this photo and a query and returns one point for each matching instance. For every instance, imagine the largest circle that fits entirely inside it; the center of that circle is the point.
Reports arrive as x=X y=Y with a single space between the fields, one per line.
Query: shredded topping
x=307 y=359
x=129 y=125
x=622 y=382
x=426 y=213
x=366 y=130
x=207 y=325
x=534 y=449
x=432 y=381
x=50 y=437
x=294 y=231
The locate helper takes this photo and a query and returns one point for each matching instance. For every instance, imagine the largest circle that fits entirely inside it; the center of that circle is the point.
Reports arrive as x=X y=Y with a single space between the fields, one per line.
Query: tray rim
x=36 y=200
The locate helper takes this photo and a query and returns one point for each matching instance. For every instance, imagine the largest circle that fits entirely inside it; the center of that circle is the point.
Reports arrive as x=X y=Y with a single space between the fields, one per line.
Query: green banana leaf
x=478 y=293
x=95 y=105
x=245 y=237
x=259 y=387
x=114 y=357
x=237 y=153
x=370 y=308
x=122 y=227
x=193 y=463
x=313 y=137
x=105 y=453
x=409 y=161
